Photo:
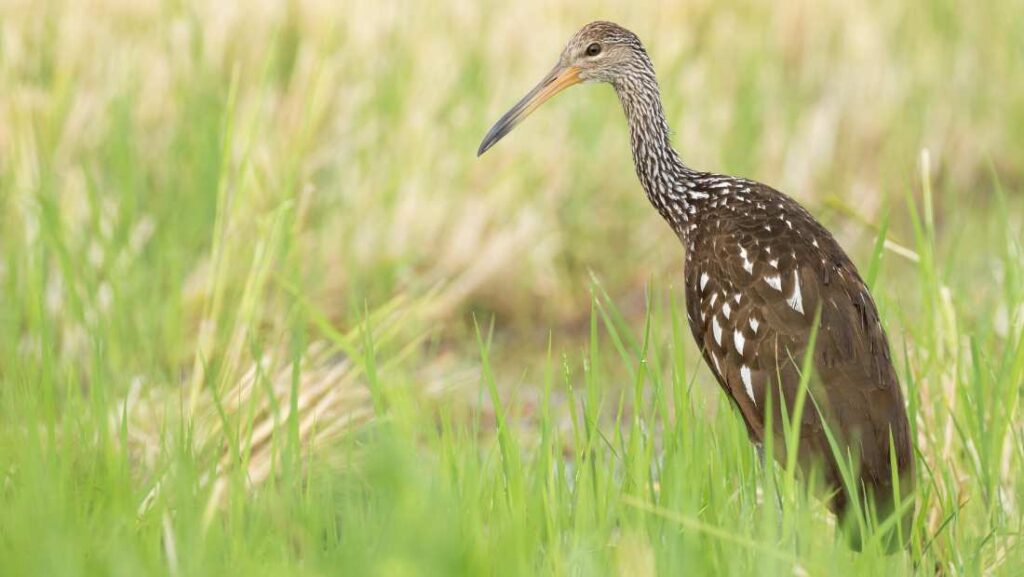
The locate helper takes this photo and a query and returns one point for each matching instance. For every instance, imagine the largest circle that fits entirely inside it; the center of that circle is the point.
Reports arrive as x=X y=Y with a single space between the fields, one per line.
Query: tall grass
x=262 y=311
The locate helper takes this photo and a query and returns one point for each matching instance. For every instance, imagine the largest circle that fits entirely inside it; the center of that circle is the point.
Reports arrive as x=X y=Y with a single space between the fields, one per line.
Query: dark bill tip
x=504 y=125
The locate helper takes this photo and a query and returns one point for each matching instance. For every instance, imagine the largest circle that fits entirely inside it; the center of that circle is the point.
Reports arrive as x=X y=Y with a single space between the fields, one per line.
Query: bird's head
x=599 y=52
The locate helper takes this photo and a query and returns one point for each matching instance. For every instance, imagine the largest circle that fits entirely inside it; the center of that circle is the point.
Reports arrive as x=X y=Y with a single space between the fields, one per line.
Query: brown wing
x=754 y=284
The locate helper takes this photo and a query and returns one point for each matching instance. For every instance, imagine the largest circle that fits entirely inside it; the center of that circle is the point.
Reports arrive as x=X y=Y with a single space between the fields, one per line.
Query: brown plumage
x=759 y=271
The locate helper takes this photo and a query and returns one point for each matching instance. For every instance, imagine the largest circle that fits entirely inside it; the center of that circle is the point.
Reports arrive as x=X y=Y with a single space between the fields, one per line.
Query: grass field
x=263 y=311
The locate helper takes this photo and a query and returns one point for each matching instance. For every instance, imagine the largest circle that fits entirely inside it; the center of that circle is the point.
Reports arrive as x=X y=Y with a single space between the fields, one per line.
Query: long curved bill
x=556 y=81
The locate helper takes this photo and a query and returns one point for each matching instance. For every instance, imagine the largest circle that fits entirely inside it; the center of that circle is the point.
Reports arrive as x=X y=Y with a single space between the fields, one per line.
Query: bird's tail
x=879 y=519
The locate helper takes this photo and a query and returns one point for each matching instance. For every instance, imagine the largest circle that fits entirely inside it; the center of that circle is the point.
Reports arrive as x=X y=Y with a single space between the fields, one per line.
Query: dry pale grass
x=319 y=395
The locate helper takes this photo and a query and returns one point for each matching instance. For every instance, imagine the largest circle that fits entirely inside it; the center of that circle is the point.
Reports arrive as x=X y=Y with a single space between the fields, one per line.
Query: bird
x=766 y=286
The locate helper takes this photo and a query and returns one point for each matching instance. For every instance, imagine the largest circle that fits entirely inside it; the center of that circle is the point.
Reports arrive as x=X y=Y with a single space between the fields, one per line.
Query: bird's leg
x=759 y=449
x=765 y=471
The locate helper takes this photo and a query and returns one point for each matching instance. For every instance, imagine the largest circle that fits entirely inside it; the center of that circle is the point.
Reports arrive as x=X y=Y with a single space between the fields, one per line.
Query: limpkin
x=759 y=271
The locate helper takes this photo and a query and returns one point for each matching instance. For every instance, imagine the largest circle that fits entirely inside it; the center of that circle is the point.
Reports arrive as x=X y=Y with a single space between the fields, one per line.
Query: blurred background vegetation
x=235 y=231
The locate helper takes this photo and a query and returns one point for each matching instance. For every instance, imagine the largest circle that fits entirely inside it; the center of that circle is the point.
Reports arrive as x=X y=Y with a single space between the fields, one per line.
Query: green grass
x=263 y=312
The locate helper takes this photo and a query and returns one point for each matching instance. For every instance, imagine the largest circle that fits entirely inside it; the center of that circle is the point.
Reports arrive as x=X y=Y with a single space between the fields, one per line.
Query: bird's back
x=759 y=270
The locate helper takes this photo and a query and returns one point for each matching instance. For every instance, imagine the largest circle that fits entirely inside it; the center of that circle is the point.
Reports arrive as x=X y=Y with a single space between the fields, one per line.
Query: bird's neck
x=670 y=184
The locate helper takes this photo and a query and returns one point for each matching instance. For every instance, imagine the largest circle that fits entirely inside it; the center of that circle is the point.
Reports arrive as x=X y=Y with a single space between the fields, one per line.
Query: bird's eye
x=594 y=49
